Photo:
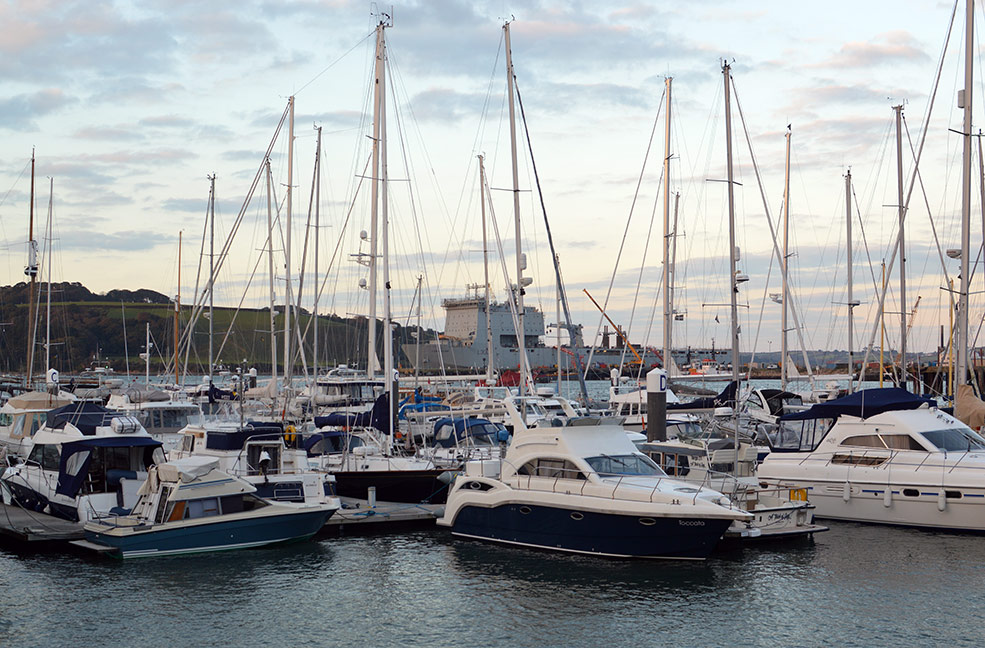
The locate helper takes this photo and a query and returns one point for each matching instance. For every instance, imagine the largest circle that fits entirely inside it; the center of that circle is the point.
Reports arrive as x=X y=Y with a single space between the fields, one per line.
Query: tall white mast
x=851 y=300
x=902 y=239
x=668 y=300
x=520 y=258
x=314 y=308
x=211 y=272
x=965 y=102
x=733 y=283
x=288 y=295
x=31 y=271
x=786 y=266
x=371 y=358
x=270 y=270
x=490 y=360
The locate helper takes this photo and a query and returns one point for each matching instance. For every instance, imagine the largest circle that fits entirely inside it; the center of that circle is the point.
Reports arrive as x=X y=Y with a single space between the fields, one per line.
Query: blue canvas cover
x=469 y=427
x=863 y=404
x=236 y=439
x=85 y=415
x=69 y=484
x=725 y=399
x=378 y=417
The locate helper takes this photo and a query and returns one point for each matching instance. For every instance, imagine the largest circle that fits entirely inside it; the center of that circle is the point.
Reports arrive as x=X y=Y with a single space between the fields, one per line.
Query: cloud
x=111 y=133
x=20 y=111
x=445 y=105
x=891 y=47
x=89 y=240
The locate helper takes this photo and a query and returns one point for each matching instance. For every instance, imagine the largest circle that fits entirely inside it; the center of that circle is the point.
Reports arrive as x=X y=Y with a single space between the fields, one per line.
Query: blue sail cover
x=378 y=417
x=725 y=399
x=85 y=415
x=863 y=404
x=236 y=439
x=69 y=483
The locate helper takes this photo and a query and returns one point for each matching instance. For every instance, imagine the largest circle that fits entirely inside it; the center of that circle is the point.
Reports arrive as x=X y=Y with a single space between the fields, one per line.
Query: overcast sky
x=130 y=105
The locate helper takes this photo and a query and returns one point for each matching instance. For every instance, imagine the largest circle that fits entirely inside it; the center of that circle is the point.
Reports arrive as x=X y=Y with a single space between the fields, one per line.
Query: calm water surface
x=852 y=586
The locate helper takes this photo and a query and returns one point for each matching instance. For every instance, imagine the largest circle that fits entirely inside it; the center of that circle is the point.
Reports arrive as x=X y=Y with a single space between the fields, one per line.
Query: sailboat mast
x=371 y=358
x=965 y=102
x=668 y=302
x=211 y=272
x=733 y=283
x=288 y=299
x=314 y=308
x=177 y=311
x=490 y=360
x=902 y=241
x=270 y=270
x=47 y=332
x=851 y=299
x=388 y=371
x=786 y=260
x=31 y=271
x=520 y=259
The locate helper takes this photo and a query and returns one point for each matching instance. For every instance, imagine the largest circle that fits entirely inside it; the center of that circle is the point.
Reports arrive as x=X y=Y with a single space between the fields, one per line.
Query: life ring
x=290 y=434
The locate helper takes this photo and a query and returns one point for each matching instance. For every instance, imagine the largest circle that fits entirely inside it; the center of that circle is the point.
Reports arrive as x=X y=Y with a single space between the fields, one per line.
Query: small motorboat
x=190 y=506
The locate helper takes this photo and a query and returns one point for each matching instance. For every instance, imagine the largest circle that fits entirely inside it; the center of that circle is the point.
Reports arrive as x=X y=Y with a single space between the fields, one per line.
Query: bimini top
x=85 y=415
x=863 y=404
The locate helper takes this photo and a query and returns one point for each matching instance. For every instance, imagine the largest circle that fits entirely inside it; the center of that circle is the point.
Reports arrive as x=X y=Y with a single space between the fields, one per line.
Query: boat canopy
x=36 y=401
x=467 y=427
x=863 y=404
x=725 y=399
x=236 y=439
x=85 y=415
x=73 y=467
x=187 y=469
x=376 y=417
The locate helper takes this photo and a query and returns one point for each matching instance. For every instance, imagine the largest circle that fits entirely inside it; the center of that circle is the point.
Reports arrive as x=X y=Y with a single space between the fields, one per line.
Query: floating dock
x=31 y=526
x=357 y=516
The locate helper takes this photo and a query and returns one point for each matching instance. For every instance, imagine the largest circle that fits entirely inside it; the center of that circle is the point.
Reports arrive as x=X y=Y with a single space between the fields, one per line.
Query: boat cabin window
x=684 y=430
x=551 y=468
x=799 y=436
x=199 y=508
x=865 y=441
x=901 y=442
x=46 y=455
x=25 y=425
x=672 y=464
x=955 y=439
x=108 y=465
x=188 y=443
x=629 y=464
x=6 y=420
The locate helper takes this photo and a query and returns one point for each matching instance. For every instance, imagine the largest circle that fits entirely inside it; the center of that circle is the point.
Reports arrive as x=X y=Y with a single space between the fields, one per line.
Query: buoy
x=846 y=492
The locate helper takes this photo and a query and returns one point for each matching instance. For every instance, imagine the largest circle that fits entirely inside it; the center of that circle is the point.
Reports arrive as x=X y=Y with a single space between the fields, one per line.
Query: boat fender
x=887 y=497
x=941 y=500
x=290 y=434
x=846 y=492
x=447 y=477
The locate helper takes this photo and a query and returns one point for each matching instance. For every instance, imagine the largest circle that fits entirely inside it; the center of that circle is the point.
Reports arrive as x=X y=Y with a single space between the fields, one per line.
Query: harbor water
x=854 y=585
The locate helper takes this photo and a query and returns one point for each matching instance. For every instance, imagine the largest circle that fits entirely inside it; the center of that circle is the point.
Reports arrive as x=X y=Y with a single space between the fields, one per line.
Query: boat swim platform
x=22 y=525
x=357 y=516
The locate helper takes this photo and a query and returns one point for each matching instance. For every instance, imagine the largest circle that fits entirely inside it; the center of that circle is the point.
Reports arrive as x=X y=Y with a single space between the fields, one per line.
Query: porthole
x=525 y=509
x=577 y=516
x=911 y=492
x=647 y=521
x=952 y=494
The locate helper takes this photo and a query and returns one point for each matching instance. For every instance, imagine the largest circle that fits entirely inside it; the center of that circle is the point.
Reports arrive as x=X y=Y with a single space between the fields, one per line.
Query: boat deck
x=31 y=526
x=356 y=516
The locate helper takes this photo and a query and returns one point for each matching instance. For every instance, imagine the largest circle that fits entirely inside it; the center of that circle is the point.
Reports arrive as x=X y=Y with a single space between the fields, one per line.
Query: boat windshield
x=955 y=439
x=629 y=464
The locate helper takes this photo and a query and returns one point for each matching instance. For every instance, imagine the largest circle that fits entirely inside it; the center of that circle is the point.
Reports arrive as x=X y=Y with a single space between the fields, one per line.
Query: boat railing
x=887 y=458
x=563 y=483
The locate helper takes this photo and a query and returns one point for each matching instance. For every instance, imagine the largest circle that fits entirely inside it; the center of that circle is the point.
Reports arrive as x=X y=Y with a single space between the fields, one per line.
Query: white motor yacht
x=584 y=487
x=883 y=456
x=22 y=416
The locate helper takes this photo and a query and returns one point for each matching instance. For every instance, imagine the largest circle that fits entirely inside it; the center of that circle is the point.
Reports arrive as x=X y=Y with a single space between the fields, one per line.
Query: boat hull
x=591 y=532
x=408 y=486
x=168 y=539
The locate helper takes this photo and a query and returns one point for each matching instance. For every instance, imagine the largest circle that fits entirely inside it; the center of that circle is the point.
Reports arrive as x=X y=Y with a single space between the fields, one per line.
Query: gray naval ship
x=462 y=348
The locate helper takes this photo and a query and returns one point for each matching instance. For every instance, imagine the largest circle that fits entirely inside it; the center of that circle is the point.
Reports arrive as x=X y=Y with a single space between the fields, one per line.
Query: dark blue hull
x=219 y=535
x=607 y=534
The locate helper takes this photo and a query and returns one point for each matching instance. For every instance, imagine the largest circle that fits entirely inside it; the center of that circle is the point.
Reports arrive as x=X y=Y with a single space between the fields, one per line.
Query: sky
x=130 y=106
